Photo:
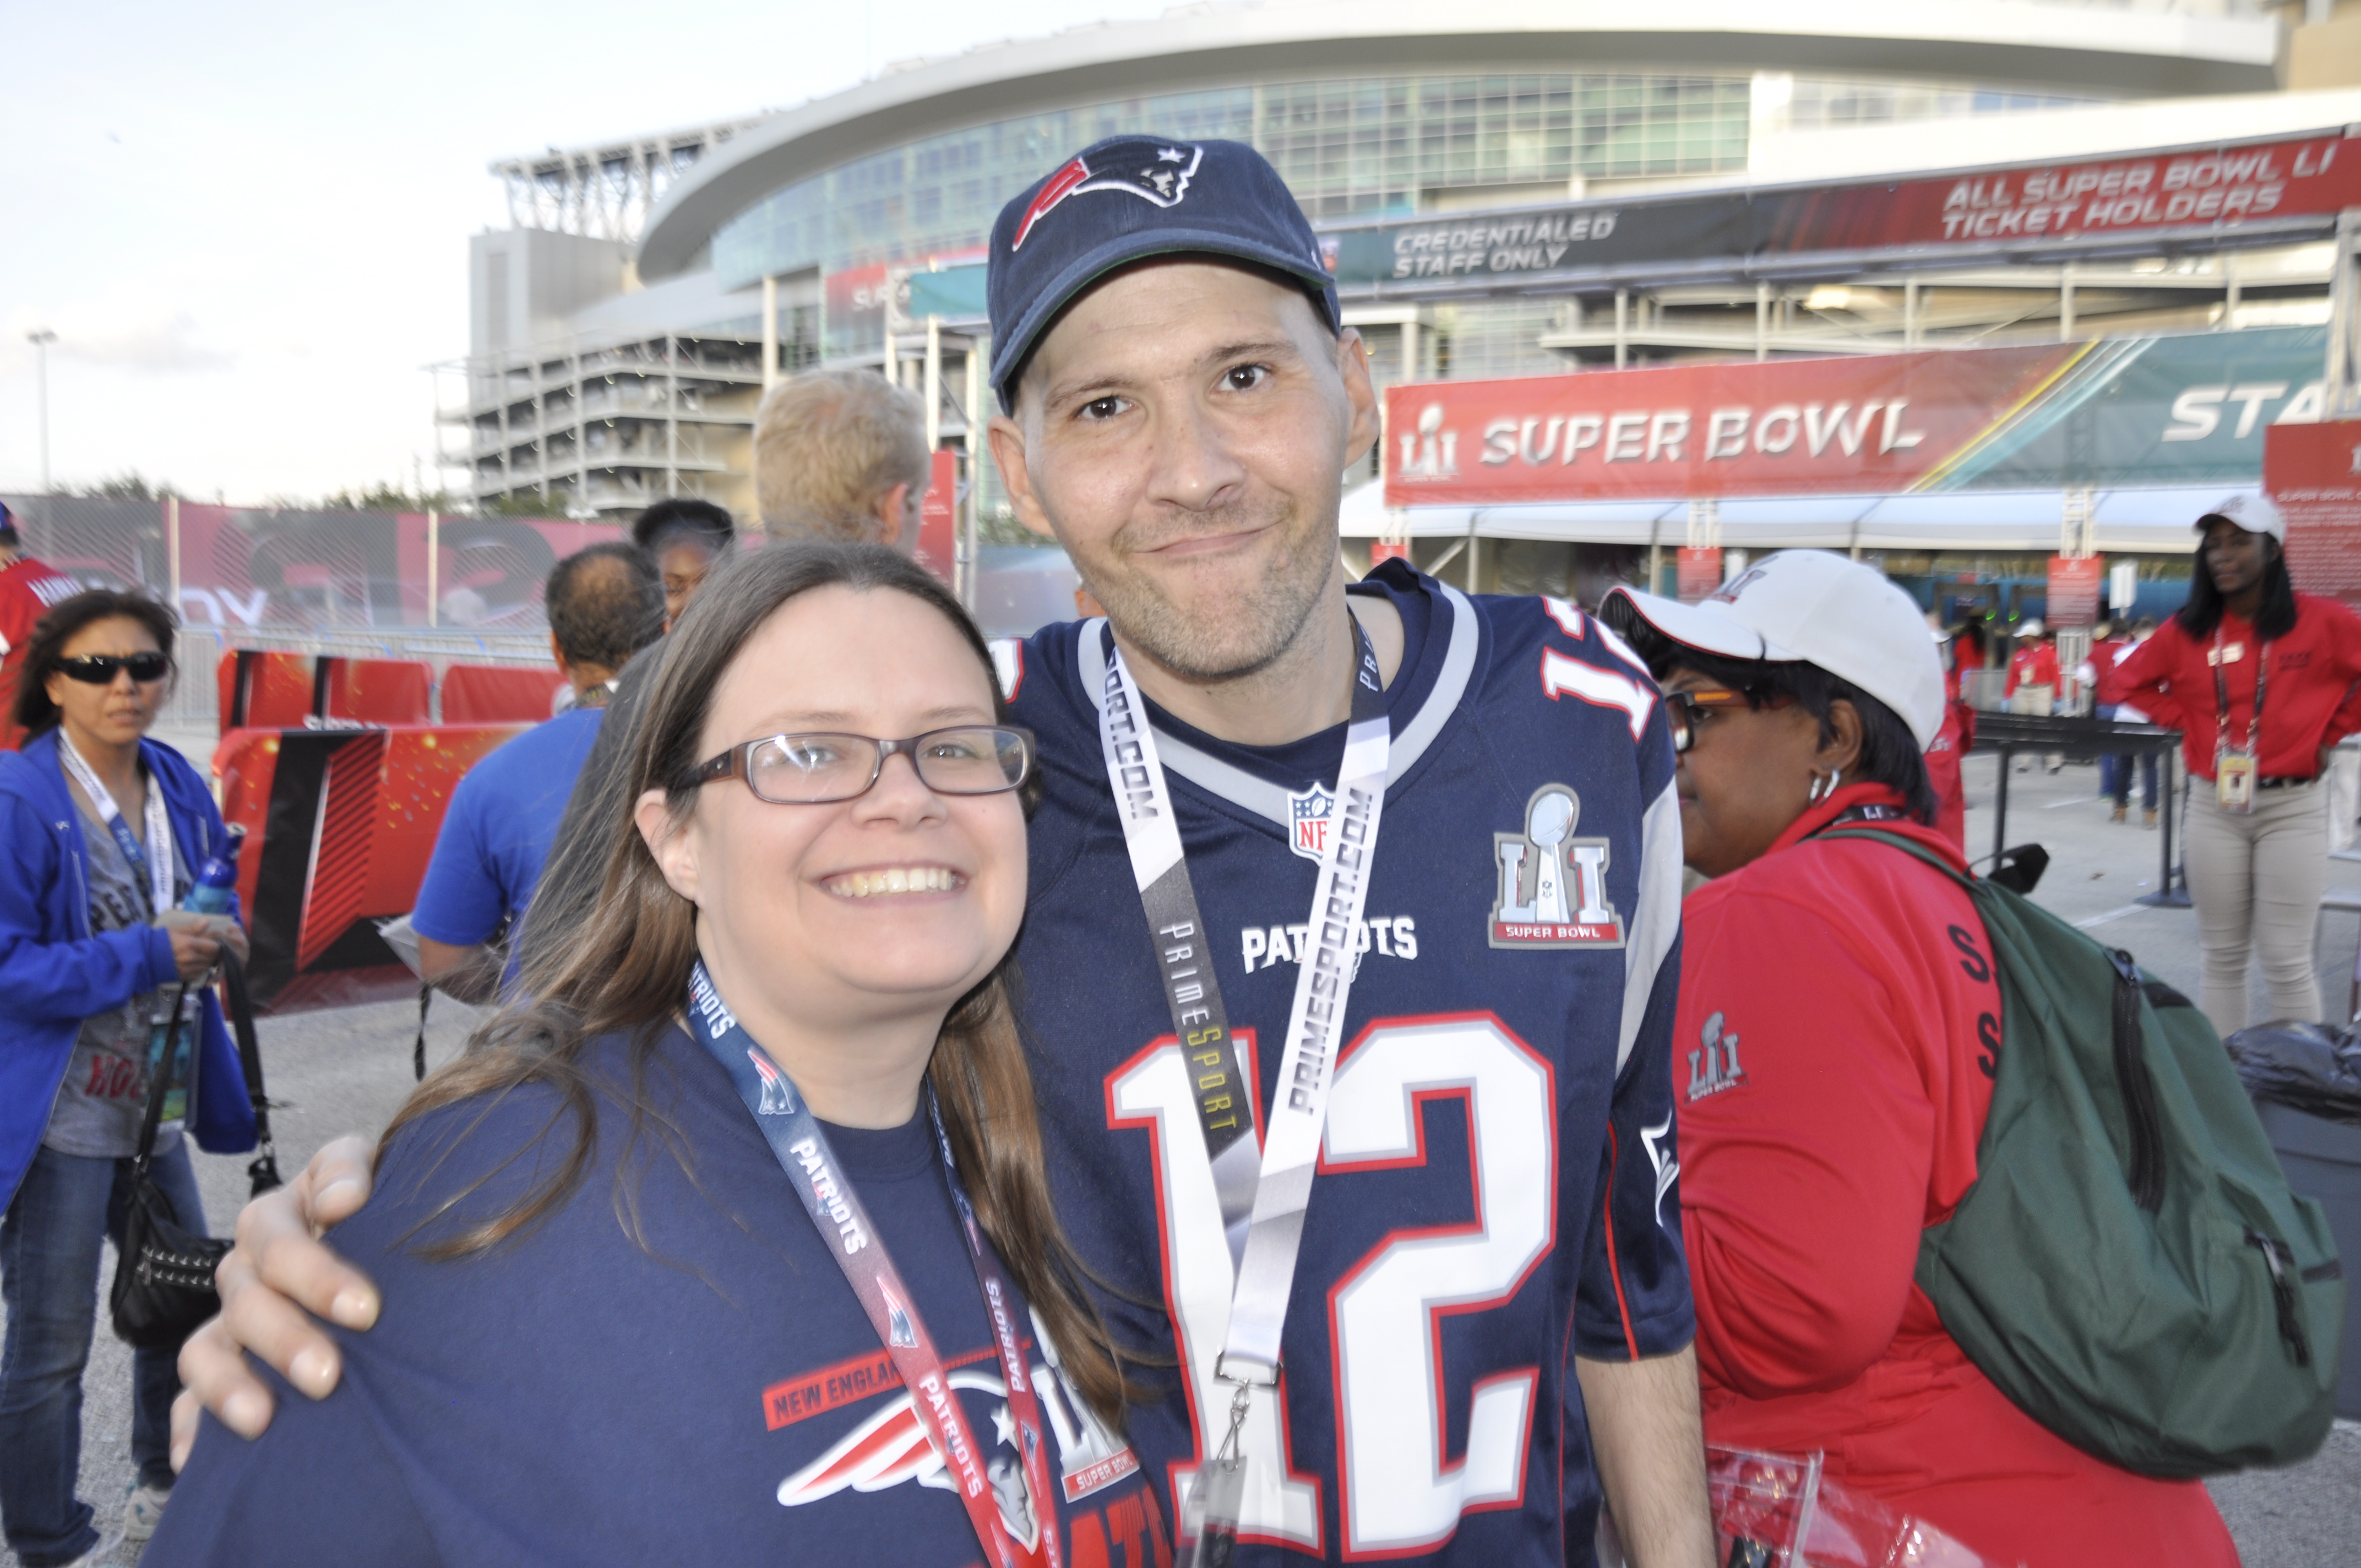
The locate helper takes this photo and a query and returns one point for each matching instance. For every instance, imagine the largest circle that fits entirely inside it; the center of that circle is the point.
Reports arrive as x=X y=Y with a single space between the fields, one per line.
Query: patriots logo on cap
x=1155 y=171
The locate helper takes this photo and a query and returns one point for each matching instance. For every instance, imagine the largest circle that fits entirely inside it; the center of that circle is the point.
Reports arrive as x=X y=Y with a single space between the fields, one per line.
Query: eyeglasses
x=100 y=669
x=813 y=770
x=1687 y=710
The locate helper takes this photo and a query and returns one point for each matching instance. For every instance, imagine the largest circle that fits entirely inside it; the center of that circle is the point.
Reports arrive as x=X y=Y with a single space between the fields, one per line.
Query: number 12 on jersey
x=1400 y=1490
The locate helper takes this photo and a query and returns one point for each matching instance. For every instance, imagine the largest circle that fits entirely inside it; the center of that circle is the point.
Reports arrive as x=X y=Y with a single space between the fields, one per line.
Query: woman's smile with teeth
x=893 y=879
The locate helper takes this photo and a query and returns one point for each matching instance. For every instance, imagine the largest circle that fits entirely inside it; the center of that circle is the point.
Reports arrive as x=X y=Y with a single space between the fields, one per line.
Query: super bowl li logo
x=1553 y=885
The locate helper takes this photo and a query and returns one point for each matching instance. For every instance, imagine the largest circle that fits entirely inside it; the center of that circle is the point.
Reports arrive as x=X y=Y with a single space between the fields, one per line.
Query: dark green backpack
x=2130 y=1267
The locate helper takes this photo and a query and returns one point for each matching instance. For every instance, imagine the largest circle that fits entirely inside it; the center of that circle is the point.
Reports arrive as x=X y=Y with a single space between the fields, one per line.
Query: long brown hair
x=626 y=967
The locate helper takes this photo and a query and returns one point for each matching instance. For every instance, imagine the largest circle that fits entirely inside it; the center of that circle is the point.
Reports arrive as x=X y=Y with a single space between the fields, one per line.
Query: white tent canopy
x=2143 y=521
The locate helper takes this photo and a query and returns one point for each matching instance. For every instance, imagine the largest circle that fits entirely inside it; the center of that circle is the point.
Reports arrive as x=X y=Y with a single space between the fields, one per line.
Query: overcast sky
x=247 y=223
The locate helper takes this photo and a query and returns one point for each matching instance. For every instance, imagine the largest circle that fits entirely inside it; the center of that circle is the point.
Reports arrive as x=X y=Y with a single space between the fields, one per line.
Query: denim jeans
x=49 y=1257
x=2116 y=773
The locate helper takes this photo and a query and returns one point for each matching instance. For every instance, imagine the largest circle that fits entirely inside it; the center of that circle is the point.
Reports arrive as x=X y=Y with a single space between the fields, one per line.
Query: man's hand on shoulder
x=276 y=1279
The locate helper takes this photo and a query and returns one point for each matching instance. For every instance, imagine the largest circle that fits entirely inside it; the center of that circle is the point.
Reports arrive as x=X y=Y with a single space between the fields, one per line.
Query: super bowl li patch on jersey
x=1553 y=885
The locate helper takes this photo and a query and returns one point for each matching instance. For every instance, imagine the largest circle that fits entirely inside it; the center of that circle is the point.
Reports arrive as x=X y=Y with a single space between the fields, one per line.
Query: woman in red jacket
x=2259 y=680
x=1838 y=1017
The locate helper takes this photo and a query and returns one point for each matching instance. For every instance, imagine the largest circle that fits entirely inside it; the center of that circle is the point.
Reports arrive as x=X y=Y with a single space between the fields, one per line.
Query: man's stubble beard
x=1240 y=636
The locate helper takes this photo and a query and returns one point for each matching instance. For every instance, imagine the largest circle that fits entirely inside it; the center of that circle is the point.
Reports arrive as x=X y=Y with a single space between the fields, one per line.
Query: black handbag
x=164 y=1280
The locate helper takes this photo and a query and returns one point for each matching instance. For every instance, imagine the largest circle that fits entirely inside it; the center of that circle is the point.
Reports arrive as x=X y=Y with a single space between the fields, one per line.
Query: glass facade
x=1347 y=148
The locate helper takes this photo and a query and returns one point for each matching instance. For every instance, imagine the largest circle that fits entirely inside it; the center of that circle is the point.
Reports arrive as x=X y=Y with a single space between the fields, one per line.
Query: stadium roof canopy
x=2084 y=51
x=2152 y=521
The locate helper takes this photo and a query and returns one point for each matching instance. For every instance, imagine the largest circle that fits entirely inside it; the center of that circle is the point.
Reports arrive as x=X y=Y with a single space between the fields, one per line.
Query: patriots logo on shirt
x=1308 y=812
x=1155 y=171
x=890 y=1448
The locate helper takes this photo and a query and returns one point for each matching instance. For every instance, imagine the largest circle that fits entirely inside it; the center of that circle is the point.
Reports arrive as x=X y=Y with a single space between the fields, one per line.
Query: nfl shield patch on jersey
x=1308 y=813
x=1553 y=885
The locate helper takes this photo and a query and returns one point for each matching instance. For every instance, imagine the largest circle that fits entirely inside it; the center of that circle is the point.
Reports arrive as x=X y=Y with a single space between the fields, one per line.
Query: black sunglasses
x=814 y=769
x=100 y=669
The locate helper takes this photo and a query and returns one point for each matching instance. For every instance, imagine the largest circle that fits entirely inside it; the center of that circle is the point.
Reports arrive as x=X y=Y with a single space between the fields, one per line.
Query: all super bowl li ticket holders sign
x=2201 y=197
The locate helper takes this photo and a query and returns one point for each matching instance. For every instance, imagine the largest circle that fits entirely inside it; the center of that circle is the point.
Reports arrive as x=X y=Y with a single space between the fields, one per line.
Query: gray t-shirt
x=104 y=1092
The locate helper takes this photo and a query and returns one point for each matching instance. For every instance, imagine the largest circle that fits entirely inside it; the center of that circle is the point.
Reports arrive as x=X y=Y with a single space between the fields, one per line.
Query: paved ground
x=346 y=1071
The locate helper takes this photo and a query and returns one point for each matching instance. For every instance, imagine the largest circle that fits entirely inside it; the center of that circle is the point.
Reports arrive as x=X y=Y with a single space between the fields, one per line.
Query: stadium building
x=625 y=324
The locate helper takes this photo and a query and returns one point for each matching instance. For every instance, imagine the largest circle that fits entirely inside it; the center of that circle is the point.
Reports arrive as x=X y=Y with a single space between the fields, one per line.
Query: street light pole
x=40 y=338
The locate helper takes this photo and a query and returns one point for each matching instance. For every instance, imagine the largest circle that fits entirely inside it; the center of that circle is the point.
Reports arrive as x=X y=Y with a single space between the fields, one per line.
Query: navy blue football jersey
x=1495 y=1187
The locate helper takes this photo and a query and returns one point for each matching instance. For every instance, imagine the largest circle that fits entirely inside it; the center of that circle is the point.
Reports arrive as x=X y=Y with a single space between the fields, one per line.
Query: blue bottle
x=215 y=890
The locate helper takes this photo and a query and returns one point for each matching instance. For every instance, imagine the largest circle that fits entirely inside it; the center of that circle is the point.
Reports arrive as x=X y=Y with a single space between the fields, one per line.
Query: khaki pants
x=2256 y=881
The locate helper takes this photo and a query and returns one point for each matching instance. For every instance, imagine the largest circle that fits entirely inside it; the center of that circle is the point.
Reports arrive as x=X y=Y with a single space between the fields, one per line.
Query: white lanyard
x=156 y=858
x=1269 y=1199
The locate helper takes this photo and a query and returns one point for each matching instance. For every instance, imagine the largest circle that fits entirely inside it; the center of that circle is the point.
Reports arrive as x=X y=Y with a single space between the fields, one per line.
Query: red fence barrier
x=340 y=824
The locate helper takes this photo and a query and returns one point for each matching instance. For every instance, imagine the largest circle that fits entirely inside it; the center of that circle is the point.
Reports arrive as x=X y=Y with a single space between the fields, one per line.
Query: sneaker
x=143 y=1511
x=2121 y=814
x=2150 y=820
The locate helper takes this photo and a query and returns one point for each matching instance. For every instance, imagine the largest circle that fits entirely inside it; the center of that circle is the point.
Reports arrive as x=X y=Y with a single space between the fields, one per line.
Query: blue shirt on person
x=497 y=833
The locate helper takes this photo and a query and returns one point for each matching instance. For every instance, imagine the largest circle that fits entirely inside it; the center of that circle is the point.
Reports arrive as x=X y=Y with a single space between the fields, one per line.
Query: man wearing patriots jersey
x=1489 y=1289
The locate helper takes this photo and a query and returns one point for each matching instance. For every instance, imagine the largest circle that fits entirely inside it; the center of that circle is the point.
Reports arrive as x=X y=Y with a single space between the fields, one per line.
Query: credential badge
x=1552 y=886
x=1308 y=812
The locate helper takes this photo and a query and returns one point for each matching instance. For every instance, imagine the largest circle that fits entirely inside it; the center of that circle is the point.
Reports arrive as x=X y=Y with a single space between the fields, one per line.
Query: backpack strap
x=1843 y=829
x=263 y=1170
x=2136 y=1083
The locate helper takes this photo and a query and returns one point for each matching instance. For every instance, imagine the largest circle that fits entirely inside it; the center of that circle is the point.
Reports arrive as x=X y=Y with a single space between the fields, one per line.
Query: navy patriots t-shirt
x=715 y=1396
x=1496 y=1191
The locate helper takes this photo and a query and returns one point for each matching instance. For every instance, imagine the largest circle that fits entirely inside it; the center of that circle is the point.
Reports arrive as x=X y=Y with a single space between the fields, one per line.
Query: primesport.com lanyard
x=156 y=858
x=1262 y=1203
x=2222 y=698
x=801 y=1146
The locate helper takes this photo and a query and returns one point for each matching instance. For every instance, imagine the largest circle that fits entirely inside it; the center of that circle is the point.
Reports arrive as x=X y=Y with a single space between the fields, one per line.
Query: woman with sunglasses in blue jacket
x=102 y=830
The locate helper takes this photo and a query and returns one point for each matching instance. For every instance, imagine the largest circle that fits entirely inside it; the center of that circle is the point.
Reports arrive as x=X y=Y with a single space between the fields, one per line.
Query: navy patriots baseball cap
x=1129 y=197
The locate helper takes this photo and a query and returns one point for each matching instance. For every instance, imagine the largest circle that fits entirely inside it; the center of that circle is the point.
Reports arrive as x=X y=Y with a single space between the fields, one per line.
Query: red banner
x=1699 y=573
x=1878 y=423
x=243 y=568
x=2313 y=471
x=2145 y=191
x=2074 y=582
x=938 y=517
x=2206 y=197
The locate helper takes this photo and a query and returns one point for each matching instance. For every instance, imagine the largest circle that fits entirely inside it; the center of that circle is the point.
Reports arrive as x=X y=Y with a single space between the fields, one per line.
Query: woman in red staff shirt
x=2259 y=680
x=1836 y=1003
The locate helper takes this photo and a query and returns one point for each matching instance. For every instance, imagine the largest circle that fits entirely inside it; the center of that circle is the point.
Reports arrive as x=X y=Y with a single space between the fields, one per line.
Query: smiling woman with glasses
x=103 y=828
x=760 y=1166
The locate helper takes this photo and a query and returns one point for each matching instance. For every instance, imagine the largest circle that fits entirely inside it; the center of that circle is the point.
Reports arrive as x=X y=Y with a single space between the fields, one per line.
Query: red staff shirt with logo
x=1944 y=754
x=28 y=591
x=1834 y=1053
x=2310 y=703
x=2033 y=666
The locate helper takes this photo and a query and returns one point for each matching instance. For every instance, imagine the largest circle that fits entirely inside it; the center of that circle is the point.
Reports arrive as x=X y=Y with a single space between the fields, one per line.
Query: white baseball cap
x=1814 y=608
x=2251 y=510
